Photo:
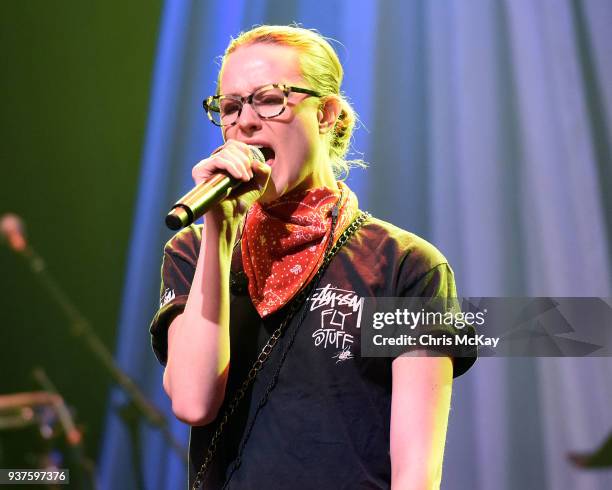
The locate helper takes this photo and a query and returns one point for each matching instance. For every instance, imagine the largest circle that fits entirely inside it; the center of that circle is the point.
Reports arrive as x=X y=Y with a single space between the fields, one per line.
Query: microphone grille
x=257 y=154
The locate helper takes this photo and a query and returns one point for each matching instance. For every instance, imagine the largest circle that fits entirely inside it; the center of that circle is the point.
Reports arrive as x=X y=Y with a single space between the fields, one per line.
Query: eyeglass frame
x=286 y=89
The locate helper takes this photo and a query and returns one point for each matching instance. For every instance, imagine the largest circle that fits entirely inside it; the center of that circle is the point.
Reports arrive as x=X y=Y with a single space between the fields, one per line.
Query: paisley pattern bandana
x=284 y=242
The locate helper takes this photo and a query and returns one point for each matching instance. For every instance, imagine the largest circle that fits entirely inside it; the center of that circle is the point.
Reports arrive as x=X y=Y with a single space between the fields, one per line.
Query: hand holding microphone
x=235 y=173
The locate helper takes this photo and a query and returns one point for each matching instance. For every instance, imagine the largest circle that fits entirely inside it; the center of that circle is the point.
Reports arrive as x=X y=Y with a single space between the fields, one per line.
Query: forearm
x=198 y=340
x=422 y=388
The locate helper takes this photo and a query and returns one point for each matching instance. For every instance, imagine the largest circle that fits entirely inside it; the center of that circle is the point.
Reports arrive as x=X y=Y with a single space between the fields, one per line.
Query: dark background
x=75 y=88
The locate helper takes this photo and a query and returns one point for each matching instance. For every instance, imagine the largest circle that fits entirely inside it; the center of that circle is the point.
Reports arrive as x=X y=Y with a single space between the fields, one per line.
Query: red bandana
x=284 y=242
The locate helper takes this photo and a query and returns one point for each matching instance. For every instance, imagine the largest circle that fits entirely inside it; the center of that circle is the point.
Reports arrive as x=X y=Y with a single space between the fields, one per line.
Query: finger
x=232 y=167
x=221 y=160
x=201 y=171
x=242 y=159
x=240 y=145
x=257 y=185
x=261 y=168
x=205 y=168
x=243 y=148
x=261 y=173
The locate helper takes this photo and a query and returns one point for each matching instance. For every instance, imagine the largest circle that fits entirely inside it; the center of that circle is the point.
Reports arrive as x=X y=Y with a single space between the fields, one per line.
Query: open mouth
x=268 y=154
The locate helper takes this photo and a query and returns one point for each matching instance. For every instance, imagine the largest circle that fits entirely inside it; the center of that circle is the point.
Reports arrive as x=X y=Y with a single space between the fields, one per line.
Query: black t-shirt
x=325 y=422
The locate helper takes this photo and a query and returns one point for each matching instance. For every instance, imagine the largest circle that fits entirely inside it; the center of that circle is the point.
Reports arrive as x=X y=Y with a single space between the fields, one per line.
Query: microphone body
x=204 y=196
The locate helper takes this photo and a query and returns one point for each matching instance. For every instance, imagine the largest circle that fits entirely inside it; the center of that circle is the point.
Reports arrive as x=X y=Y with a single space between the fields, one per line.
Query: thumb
x=261 y=169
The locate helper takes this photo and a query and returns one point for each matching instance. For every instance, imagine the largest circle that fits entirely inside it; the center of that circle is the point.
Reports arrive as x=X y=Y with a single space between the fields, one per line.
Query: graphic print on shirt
x=166 y=297
x=339 y=309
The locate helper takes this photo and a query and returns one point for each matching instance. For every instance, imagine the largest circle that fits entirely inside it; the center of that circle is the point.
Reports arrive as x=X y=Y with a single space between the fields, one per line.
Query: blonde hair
x=321 y=68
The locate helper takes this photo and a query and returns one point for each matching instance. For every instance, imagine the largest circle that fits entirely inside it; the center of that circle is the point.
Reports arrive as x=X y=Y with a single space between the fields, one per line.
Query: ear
x=328 y=113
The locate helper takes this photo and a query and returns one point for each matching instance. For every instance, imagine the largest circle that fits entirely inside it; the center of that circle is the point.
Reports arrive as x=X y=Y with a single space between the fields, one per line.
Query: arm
x=421 y=395
x=198 y=339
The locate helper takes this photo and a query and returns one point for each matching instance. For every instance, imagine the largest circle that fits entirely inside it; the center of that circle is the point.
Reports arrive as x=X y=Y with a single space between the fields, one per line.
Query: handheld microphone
x=204 y=196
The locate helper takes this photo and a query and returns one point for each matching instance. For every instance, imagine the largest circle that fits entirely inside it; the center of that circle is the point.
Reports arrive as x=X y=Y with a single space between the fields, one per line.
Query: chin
x=280 y=185
x=272 y=192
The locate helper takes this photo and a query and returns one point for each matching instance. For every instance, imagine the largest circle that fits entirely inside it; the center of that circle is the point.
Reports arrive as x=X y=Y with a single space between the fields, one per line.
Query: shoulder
x=185 y=244
x=384 y=239
x=396 y=262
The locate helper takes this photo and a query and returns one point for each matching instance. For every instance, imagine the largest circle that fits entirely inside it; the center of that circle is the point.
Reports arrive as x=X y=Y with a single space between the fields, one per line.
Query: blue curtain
x=487 y=128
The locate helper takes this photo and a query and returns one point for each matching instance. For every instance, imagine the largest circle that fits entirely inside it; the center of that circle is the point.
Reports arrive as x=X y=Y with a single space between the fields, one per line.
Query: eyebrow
x=252 y=91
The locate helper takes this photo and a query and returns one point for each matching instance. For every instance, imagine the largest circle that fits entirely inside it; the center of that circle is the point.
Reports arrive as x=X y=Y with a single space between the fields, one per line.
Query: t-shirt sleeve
x=177 y=271
x=431 y=280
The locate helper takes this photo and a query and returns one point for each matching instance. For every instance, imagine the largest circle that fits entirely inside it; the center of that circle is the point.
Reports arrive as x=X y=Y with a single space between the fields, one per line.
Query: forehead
x=253 y=66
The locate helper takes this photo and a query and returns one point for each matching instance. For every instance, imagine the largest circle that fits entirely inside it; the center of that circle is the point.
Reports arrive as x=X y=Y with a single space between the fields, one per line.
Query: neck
x=322 y=176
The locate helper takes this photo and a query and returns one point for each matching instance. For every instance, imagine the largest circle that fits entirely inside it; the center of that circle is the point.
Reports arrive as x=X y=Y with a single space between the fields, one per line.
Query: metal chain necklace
x=263 y=356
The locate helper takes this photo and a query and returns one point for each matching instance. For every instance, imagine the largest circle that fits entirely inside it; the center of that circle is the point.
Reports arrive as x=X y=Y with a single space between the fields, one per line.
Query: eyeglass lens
x=267 y=103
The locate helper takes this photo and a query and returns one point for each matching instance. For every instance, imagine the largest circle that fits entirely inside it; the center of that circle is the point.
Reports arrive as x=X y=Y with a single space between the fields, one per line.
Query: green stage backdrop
x=75 y=88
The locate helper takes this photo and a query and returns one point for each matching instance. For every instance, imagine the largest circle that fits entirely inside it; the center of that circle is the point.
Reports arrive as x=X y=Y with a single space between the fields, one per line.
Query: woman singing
x=259 y=325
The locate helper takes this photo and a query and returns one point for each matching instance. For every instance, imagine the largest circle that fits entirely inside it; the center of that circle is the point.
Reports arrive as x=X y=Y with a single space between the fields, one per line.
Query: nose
x=249 y=120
